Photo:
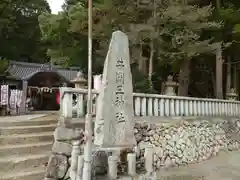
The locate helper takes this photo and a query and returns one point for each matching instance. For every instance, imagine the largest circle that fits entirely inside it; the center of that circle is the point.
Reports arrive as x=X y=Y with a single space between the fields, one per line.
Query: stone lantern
x=80 y=81
x=170 y=86
x=80 y=104
x=232 y=95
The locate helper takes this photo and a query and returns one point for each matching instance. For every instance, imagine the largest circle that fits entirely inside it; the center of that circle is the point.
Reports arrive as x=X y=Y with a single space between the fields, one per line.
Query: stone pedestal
x=232 y=95
x=170 y=87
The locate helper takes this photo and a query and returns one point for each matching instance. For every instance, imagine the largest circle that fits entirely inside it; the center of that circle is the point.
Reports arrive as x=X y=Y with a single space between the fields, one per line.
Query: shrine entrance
x=43 y=89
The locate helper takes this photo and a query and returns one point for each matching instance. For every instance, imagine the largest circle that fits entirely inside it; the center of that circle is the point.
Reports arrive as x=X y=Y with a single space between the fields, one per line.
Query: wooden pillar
x=22 y=109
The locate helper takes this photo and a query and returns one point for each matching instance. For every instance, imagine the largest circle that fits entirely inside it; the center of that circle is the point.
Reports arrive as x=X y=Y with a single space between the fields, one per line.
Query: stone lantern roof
x=170 y=82
x=232 y=95
x=79 y=80
x=170 y=86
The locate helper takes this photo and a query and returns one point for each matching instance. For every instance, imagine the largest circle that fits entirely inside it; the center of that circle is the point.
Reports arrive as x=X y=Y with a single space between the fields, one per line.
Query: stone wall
x=176 y=142
x=60 y=160
x=187 y=141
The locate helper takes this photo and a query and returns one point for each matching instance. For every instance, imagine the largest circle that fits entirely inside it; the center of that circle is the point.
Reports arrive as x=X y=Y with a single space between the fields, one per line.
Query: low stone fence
x=175 y=142
x=153 y=105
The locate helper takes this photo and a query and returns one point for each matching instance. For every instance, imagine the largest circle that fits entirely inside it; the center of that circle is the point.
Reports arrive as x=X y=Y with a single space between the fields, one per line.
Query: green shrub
x=3 y=65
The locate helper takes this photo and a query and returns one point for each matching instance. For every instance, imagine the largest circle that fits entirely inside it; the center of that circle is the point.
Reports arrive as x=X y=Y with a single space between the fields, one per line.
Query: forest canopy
x=191 y=40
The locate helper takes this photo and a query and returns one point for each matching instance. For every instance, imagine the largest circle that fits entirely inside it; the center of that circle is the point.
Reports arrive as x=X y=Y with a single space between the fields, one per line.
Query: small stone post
x=80 y=167
x=170 y=86
x=74 y=159
x=112 y=167
x=136 y=149
x=66 y=104
x=148 y=155
x=131 y=158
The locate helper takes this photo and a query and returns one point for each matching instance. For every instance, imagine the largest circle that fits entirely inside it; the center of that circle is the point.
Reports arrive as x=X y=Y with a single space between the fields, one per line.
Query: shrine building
x=39 y=82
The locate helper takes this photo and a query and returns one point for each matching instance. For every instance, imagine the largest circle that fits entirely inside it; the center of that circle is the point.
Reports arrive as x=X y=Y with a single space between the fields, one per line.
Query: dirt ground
x=225 y=166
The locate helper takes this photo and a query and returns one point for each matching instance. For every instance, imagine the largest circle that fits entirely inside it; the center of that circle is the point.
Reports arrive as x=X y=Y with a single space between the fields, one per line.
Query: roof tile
x=23 y=70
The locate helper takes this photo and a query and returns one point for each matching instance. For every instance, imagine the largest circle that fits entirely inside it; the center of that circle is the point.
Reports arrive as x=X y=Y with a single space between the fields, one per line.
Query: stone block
x=65 y=134
x=65 y=122
x=46 y=178
x=62 y=148
x=57 y=167
x=99 y=162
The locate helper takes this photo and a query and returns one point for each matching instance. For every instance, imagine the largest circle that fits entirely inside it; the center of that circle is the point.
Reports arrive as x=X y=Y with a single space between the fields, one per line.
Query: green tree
x=66 y=32
x=181 y=40
x=159 y=33
x=19 y=31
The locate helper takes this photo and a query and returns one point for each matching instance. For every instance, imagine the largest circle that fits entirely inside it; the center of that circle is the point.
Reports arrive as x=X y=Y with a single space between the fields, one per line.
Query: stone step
x=27 y=129
x=31 y=122
x=28 y=174
x=28 y=120
x=18 y=164
x=26 y=138
x=24 y=149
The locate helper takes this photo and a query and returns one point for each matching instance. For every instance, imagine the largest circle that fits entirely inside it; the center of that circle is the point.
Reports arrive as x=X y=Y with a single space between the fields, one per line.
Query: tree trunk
x=236 y=80
x=228 y=84
x=150 y=71
x=219 y=65
x=184 y=72
x=141 y=63
x=235 y=77
x=184 y=77
x=218 y=4
x=214 y=82
x=219 y=74
x=162 y=88
x=152 y=50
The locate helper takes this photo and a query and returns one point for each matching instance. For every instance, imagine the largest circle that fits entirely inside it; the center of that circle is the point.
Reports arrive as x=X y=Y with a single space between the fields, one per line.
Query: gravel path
x=225 y=166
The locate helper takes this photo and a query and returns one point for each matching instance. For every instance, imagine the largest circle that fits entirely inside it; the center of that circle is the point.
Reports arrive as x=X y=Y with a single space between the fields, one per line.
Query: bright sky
x=55 y=5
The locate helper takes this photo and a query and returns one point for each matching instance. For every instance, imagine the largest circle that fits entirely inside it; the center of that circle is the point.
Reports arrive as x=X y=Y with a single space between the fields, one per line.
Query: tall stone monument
x=114 y=119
